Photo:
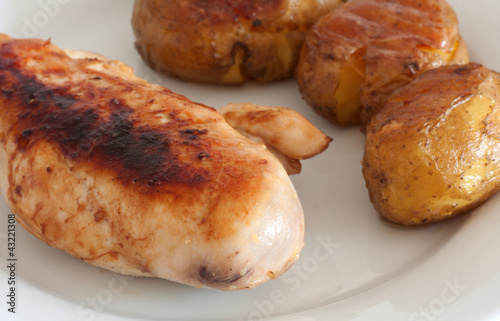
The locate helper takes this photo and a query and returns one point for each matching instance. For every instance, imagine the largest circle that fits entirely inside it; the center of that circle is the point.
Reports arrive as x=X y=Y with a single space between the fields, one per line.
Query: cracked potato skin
x=432 y=152
x=224 y=41
x=357 y=55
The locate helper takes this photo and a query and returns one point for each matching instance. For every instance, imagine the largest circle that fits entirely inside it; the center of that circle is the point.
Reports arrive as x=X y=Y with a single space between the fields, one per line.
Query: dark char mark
x=207 y=277
x=137 y=153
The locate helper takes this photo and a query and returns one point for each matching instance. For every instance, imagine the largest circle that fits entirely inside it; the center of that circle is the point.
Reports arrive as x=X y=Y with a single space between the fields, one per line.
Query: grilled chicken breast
x=136 y=179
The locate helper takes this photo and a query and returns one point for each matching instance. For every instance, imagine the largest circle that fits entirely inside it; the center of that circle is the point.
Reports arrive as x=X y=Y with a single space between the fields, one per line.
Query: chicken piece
x=136 y=179
x=355 y=56
x=286 y=133
x=432 y=152
x=225 y=41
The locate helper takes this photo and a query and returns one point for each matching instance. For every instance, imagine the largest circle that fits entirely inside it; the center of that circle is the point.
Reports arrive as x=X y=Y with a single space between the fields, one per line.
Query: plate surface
x=353 y=267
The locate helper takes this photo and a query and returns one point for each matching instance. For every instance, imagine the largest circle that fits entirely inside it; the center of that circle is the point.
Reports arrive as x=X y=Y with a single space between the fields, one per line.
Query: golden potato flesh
x=225 y=41
x=433 y=151
x=358 y=54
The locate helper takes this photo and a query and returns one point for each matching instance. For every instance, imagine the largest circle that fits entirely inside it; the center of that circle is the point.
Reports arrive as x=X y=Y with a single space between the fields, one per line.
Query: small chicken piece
x=136 y=179
x=357 y=55
x=225 y=41
x=433 y=151
x=286 y=133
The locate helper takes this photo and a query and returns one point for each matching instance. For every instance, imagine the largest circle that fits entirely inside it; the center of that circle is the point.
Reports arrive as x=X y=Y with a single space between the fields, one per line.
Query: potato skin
x=432 y=152
x=202 y=40
x=387 y=42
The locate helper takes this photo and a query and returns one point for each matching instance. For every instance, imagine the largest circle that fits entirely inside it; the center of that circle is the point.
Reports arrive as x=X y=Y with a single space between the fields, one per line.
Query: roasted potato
x=432 y=152
x=225 y=41
x=357 y=55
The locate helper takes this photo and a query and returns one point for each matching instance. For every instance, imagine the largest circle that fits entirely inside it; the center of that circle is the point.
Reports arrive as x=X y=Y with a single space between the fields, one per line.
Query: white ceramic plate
x=353 y=267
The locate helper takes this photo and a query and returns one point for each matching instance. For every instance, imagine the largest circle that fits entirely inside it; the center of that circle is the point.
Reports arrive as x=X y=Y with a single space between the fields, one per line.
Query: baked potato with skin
x=357 y=55
x=433 y=151
x=225 y=41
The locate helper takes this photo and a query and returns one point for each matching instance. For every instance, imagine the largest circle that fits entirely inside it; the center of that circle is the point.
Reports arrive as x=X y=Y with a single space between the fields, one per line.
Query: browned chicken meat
x=134 y=178
x=284 y=132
